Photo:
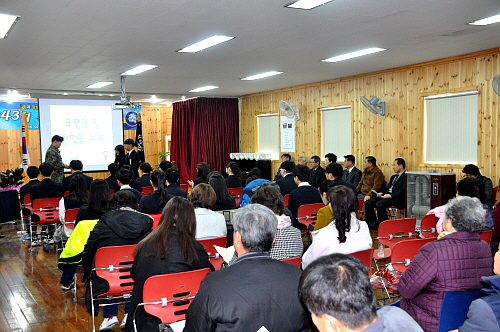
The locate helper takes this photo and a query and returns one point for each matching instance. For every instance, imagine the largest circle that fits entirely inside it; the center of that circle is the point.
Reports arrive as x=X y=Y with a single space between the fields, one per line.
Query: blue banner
x=10 y=115
x=130 y=117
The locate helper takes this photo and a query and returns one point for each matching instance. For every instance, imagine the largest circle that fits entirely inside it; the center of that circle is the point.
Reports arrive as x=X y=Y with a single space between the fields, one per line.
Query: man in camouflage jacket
x=53 y=157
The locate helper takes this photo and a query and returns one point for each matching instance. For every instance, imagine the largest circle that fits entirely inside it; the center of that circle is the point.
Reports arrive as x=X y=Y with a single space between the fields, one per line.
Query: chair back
x=392 y=231
x=428 y=226
x=168 y=296
x=297 y=261
x=47 y=209
x=404 y=252
x=70 y=218
x=184 y=186
x=236 y=193
x=454 y=309
x=113 y=264
x=156 y=220
x=215 y=258
x=66 y=193
x=307 y=213
x=286 y=198
x=494 y=195
x=147 y=190
x=365 y=256
x=27 y=201
x=486 y=236
x=361 y=204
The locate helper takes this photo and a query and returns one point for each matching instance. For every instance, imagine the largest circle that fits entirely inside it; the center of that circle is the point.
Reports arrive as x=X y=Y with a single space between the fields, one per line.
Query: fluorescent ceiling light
x=486 y=21
x=6 y=23
x=98 y=85
x=206 y=43
x=256 y=77
x=306 y=4
x=354 y=54
x=204 y=88
x=139 y=69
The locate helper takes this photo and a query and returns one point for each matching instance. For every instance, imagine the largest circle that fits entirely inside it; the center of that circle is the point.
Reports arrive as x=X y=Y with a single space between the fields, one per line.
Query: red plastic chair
x=297 y=261
x=66 y=193
x=403 y=252
x=486 y=236
x=168 y=296
x=156 y=220
x=113 y=264
x=428 y=226
x=184 y=186
x=147 y=190
x=48 y=211
x=286 y=198
x=70 y=218
x=307 y=214
x=215 y=258
x=494 y=195
x=236 y=193
x=365 y=256
x=391 y=232
x=27 y=201
x=361 y=204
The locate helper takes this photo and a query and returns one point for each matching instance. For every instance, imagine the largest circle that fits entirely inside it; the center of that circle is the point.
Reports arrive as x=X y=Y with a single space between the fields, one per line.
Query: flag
x=23 y=146
x=138 y=139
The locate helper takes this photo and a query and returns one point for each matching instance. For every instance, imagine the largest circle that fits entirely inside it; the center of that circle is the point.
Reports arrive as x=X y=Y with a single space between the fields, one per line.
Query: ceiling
x=65 y=45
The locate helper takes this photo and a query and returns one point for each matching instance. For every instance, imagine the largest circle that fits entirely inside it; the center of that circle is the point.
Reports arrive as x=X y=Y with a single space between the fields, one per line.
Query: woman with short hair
x=209 y=225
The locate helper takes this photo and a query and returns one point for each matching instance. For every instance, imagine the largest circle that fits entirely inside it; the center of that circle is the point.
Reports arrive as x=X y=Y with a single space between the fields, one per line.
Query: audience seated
x=454 y=263
x=336 y=290
x=256 y=291
x=76 y=167
x=32 y=173
x=351 y=173
x=302 y=160
x=224 y=200
x=209 y=224
x=124 y=176
x=253 y=180
x=203 y=169
x=317 y=174
x=330 y=158
x=98 y=202
x=170 y=248
x=333 y=171
x=287 y=182
x=233 y=180
x=345 y=234
x=372 y=178
x=472 y=171
x=165 y=164
x=123 y=225
x=156 y=201
x=303 y=194
x=325 y=215
x=284 y=157
x=143 y=181
x=111 y=180
x=78 y=195
x=171 y=179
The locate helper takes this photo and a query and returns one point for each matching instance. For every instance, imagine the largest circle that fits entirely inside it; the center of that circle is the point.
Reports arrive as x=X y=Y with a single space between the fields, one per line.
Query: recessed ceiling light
x=206 y=43
x=6 y=23
x=139 y=69
x=98 y=85
x=354 y=54
x=65 y=93
x=262 y=75
x=204 y=88
x=486 y=21
x=111 y=95
x=306 y=4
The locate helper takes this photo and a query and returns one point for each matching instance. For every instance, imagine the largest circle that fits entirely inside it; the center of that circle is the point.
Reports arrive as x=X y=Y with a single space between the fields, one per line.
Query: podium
x=10 y=208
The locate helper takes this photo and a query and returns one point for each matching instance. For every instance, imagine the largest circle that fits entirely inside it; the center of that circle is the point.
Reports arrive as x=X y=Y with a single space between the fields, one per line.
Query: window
x=450 y=132
x=336 y=127
x=268 y=134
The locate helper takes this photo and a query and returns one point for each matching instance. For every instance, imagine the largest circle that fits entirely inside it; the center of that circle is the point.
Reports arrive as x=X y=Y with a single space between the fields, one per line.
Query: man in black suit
x=317 y=172
x=172 y=177
x=287 y=182
x=330 y=158
x=32 y=173
x=334 y=172
x=111 y=179
x=284 y=157
x=393 y=195
x=303 y=194
x=131 y=156
x=144 y=180
x=258 y=291
x=76 y=167
x=351 y=173
x=123 y=177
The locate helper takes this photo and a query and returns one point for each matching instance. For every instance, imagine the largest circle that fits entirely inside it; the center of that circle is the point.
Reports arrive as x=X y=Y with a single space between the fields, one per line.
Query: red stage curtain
x=204 y=129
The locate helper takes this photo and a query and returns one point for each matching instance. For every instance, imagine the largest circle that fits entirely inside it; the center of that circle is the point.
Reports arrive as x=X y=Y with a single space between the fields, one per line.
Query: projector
x=123 y=106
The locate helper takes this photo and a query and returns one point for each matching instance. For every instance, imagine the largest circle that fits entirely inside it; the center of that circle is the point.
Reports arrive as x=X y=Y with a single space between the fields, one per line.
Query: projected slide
x=91 y=130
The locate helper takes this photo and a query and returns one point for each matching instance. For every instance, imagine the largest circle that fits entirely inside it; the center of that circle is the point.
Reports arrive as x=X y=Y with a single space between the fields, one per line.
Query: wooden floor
x=30 y=294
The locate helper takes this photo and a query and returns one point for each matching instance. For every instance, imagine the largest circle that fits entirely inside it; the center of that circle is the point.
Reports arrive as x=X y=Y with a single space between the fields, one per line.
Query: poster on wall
x=287 y=134
x=10 y=115
x=130 y=117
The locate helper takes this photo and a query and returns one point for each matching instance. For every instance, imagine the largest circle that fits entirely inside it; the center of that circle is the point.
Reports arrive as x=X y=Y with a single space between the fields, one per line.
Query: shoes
x=124 y=321
x=26 y=237
x=108 y=323
x=49 y=240
x=36 y=242
x=67 y=288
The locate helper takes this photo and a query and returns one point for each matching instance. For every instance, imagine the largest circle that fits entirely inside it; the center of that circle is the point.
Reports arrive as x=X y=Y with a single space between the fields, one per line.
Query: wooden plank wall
x=157 y=123
x=400 y=132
